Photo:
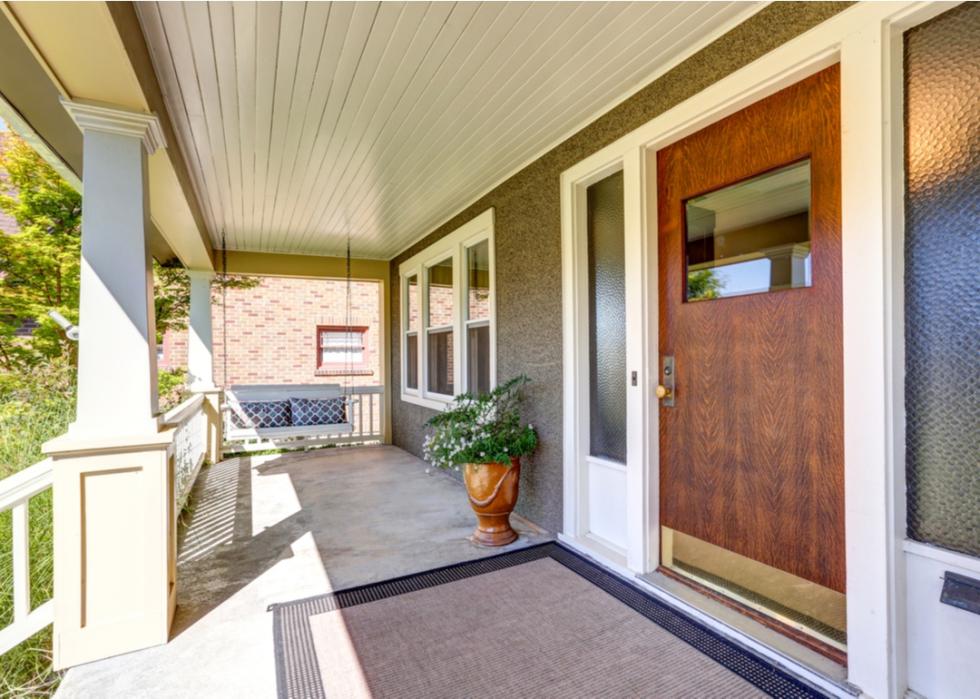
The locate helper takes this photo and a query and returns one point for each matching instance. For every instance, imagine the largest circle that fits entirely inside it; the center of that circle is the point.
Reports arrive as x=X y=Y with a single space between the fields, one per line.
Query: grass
x=34 y=407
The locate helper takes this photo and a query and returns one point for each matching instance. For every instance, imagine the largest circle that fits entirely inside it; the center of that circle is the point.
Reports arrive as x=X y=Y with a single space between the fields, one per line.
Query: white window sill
x=439 y=404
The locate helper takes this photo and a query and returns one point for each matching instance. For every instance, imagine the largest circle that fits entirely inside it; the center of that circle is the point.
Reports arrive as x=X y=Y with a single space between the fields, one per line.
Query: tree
x=172 y=293
x=703 y=284
x=39 y=266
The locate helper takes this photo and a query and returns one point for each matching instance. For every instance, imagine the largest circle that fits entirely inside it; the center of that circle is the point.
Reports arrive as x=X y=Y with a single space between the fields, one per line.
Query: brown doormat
x=538 y=622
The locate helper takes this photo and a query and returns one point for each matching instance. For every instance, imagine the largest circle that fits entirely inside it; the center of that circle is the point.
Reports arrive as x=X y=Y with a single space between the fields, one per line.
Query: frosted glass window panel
x=942 y=260
x=607 y=319
x=750 y=237
x=478 y=281
x=440 y=353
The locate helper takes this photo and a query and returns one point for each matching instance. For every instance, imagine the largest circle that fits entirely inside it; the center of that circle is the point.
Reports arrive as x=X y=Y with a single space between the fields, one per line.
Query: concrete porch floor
x=266 y=529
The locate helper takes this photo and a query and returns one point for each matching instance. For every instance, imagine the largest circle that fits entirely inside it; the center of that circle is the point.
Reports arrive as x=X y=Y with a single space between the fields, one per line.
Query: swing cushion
x=315 y=411
x=262 y=413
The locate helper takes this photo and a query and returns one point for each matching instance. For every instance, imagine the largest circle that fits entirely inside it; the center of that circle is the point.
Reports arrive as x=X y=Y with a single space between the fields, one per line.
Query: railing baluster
x=371 y=413
x=22 y=561
x=16 y=492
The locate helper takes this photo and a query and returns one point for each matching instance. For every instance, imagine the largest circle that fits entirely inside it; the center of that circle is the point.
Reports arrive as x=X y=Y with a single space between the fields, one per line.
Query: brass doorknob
x=663 y=392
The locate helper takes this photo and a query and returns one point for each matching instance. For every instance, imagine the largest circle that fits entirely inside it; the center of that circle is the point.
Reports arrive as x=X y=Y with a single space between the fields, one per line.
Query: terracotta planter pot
x=493 y=493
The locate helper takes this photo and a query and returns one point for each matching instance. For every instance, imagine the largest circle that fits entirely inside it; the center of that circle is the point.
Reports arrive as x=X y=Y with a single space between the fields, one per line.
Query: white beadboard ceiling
x=303 y=122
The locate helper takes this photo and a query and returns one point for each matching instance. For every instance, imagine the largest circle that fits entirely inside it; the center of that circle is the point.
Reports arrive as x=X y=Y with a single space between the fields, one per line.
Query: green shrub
x=172 y=388
x=481 y=429
x=35 y=406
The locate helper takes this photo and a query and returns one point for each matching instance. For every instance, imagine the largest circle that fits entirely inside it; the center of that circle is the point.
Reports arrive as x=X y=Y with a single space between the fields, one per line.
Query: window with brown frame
x=342 y=350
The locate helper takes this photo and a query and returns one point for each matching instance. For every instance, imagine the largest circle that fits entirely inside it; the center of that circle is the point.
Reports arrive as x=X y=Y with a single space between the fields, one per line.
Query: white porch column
x=117 y=382
x=115 y=520
x=200 y=360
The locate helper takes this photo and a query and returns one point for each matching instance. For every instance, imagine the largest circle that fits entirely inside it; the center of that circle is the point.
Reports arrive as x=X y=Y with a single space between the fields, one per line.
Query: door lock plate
x=669 y=383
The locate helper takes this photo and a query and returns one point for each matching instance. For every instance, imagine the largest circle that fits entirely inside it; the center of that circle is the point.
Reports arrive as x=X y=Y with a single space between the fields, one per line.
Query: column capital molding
x=96 y=116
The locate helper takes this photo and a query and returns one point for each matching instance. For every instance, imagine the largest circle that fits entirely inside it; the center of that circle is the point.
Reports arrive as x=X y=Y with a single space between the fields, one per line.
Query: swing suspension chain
x=349 y=358
x=224 y=312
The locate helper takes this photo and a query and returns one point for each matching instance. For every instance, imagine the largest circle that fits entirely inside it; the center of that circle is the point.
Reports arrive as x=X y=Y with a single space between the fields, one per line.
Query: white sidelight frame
x=454 y=246
x=866 y=40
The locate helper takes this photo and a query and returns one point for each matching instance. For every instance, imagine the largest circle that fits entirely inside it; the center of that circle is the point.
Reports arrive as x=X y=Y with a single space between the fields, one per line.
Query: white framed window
x=448 y=316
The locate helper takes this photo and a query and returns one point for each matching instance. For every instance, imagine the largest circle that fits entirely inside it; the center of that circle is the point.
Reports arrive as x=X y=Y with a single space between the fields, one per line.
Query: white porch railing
x=190 y=444
x=367 y=414
x=15 y=492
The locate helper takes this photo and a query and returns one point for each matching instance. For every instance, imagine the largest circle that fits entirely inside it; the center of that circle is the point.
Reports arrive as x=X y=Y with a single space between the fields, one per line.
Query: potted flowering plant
x=484 y=434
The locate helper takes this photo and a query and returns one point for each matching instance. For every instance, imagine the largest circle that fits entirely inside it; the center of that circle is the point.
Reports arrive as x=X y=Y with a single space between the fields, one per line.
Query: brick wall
x=272 y=332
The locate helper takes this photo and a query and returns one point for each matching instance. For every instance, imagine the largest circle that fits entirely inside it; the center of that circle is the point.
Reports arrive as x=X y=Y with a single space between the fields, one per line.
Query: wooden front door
x=751 y=449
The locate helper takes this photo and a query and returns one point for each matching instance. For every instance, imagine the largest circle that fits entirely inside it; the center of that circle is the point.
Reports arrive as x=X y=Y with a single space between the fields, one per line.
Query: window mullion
x=423 y=352
x=458 y=320
x=492 y=320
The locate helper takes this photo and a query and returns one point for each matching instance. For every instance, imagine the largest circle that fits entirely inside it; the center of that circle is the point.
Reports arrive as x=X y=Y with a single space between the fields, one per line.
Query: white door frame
x=866 y=40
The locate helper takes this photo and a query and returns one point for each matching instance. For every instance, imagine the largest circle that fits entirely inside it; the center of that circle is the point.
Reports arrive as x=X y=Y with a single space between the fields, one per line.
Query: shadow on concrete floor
x=267 y=529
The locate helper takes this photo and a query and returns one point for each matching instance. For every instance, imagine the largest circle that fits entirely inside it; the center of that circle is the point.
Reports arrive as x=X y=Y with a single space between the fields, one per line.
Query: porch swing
x=286 y=416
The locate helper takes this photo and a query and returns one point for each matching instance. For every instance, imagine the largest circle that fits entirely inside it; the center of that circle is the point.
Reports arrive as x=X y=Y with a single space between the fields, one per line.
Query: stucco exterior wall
x=528 y=247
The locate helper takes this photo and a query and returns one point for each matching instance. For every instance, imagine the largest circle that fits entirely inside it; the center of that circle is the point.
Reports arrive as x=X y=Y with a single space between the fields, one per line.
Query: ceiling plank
x=305 y=122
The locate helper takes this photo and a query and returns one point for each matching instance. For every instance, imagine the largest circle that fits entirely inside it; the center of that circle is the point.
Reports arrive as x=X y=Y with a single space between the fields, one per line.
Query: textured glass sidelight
x=942 y=291
x=750 y=237
x=607 y=320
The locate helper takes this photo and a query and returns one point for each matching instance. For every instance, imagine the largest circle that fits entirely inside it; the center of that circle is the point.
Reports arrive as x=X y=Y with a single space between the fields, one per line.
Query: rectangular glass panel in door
x=750 y=237
x=607 y=320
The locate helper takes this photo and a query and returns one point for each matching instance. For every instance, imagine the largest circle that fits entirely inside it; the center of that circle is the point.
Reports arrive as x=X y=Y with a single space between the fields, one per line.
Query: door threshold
x=784 y=652
x=798 y=633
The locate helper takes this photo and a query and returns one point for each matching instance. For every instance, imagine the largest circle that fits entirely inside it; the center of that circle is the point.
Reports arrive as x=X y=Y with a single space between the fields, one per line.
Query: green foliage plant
x=481 y=429
x=39 y=266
